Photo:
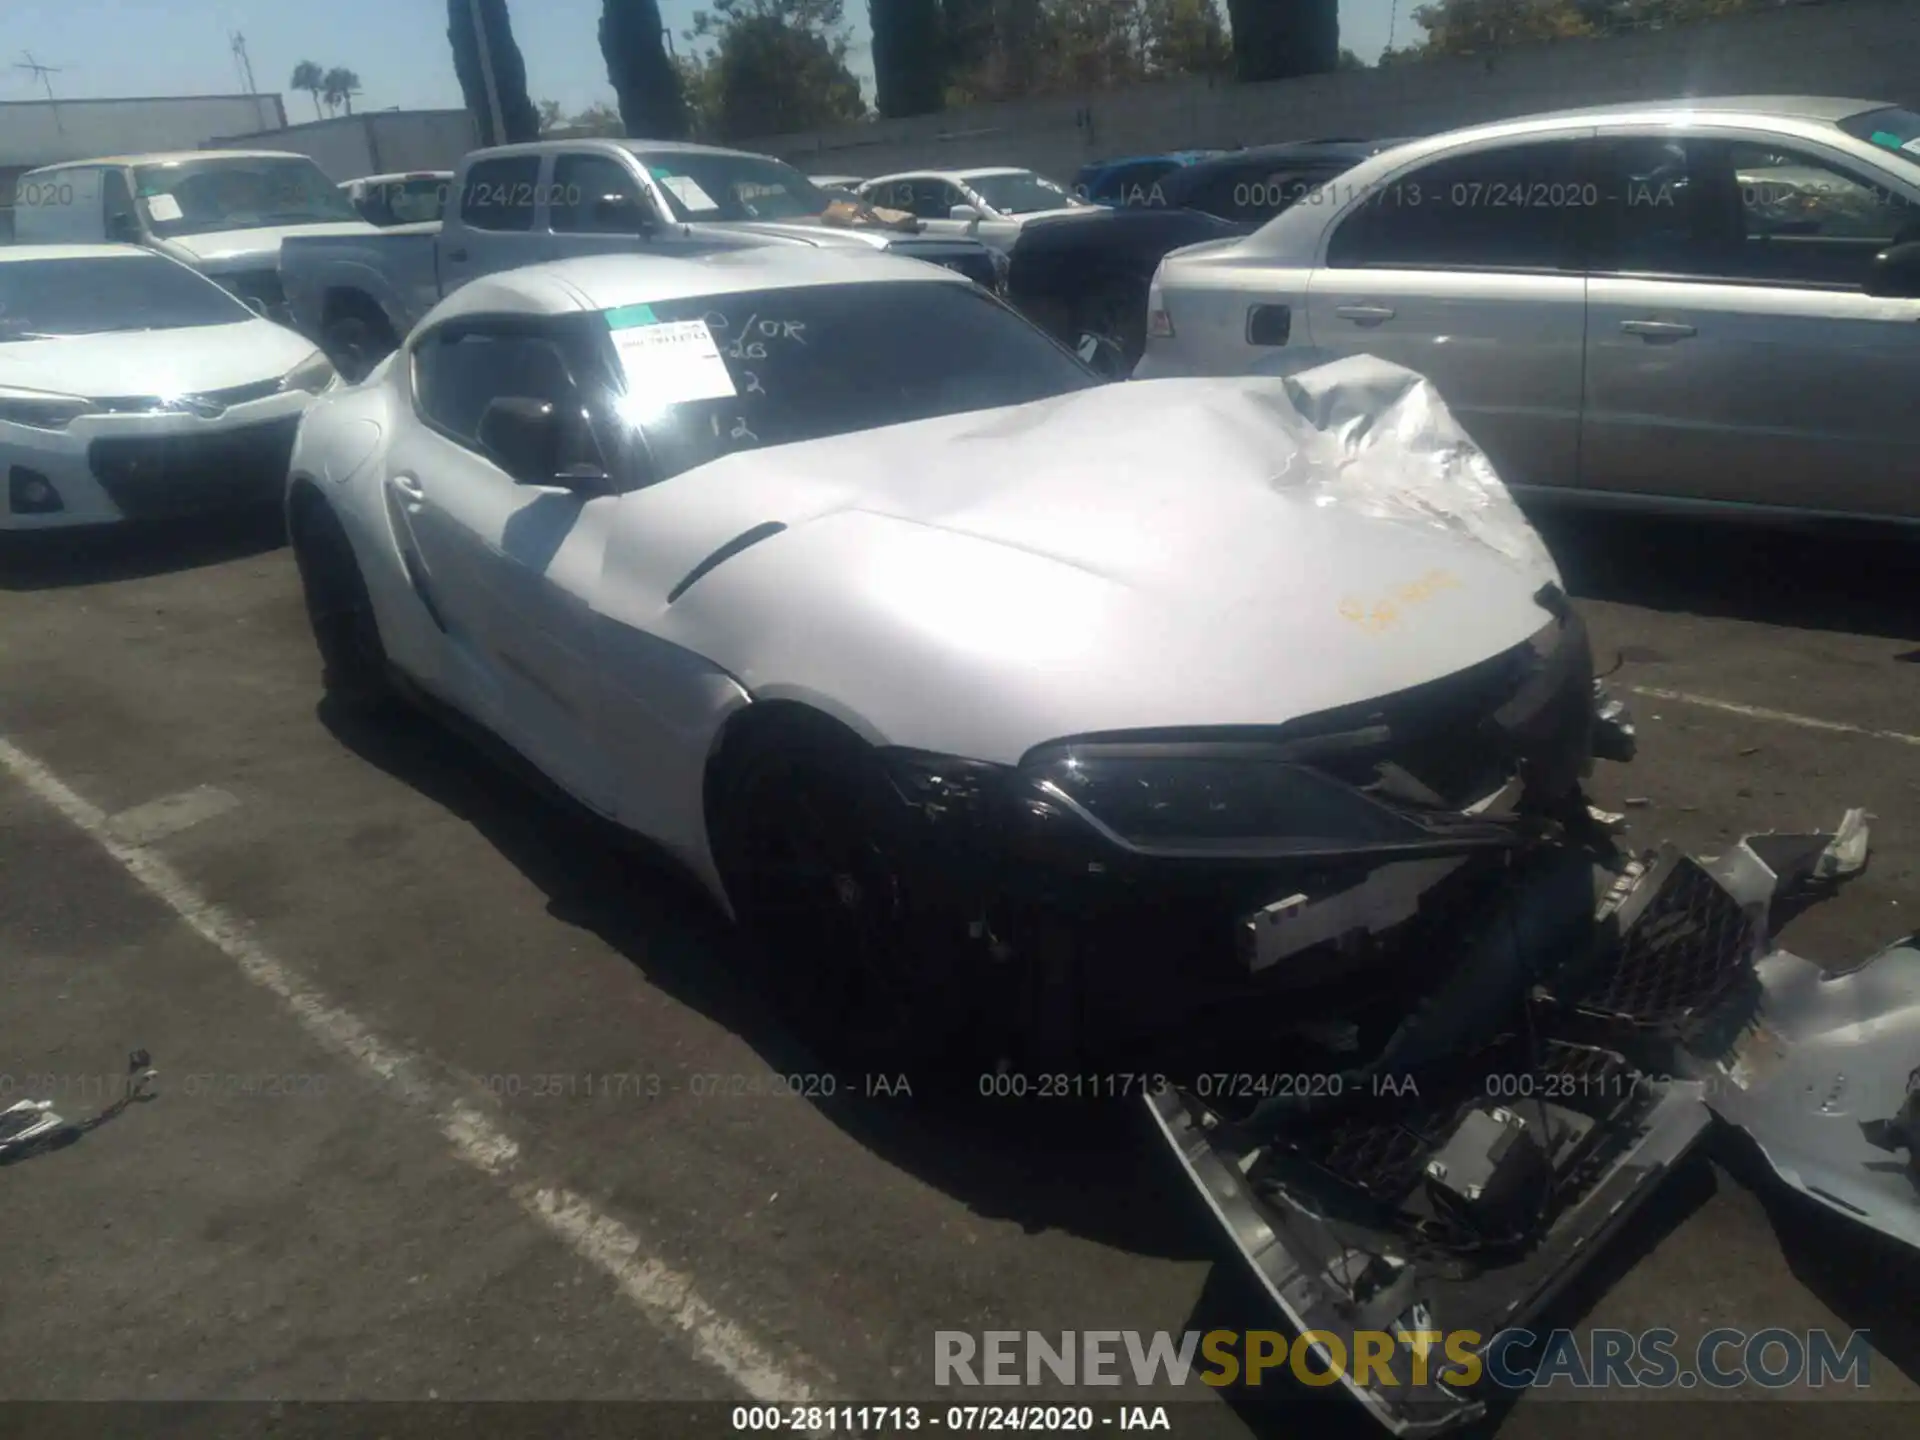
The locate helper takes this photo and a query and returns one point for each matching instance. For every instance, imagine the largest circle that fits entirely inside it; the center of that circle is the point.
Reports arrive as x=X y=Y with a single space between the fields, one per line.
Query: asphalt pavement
x=459 y=1101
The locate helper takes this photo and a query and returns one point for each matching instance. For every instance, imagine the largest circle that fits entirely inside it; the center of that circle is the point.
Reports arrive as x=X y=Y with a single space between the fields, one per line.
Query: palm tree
x=307 y=76
x=341 y=85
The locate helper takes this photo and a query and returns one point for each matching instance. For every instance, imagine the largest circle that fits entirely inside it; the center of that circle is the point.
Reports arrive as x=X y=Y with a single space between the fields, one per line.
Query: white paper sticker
x=688 y=192
x=163 y=208
x=1912 y=147
x=672 y=363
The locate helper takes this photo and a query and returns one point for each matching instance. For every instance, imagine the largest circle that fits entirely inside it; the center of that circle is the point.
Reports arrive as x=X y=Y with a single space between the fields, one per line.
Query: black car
x=1086 y=275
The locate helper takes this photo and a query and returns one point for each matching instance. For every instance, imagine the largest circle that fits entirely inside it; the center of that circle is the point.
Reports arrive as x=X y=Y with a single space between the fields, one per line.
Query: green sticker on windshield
x=627 y=316
x=1887 y=138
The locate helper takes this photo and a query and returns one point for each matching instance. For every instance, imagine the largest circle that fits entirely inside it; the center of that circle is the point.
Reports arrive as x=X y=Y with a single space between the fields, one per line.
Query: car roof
x=607 y=282
x=76 y=252
x=175 y=157
x=1778 y=107
x=610 y=142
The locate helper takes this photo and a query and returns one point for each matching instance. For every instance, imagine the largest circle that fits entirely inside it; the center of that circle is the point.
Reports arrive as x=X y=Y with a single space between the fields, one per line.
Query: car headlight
x=41 y=409
x=313 y=374
x=1221 y=798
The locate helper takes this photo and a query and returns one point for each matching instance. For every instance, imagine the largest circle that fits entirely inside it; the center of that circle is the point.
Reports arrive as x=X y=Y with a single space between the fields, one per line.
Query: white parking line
x=1756 y=712
x=667 y=1297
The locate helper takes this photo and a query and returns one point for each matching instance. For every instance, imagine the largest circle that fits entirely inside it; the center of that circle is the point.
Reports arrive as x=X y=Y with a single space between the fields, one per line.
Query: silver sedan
x=1710 y=305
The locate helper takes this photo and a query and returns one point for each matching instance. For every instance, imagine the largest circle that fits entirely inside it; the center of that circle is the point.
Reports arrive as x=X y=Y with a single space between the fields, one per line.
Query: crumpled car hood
x=1203 y=552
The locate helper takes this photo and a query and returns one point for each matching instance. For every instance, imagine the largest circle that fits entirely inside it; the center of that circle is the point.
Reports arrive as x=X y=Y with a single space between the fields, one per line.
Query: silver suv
x=1690 y=305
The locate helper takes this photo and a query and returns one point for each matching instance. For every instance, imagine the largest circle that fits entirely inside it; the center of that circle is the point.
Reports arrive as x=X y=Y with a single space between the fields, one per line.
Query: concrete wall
x=380 y=142
x=1863 y=48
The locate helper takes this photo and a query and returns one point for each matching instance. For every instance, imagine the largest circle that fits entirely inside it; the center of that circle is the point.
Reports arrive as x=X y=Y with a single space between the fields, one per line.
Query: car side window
x=116 y=199
x=927 y=197
x=1805 y=221
x=458 y=372
x=499 y=194
x=1509 y=208
x=595 y=195
x=1658 y=212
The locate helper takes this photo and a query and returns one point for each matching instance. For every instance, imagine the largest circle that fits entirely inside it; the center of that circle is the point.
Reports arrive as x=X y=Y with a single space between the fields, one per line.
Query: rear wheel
x=356 y=339
x=807 y=839
x=353 y=659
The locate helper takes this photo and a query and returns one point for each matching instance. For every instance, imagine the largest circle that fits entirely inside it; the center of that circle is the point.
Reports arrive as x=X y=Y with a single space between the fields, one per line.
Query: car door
x=1465 y=269
x=596 y=206
x=498 y=206
x=1733 y=355
x=508 y=568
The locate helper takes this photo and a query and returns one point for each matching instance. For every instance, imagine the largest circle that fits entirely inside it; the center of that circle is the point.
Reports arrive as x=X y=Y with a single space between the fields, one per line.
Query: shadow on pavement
x=55 y=559
x=1029 y=1163
x=1854 y=579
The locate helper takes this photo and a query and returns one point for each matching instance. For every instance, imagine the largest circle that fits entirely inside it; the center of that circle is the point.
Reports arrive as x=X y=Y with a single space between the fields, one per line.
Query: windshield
x=1020 y=193
x=41 y=299
x=1894 y=130
x=820 y=360
x=733 y=187
x=195 y=197
x=405 y=202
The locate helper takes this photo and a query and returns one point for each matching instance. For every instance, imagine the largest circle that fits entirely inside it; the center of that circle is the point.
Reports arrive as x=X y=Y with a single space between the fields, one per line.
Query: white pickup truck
x=516 y=205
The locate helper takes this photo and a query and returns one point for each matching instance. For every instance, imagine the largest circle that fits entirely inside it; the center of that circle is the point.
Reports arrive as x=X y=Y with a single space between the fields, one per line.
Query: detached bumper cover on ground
x=1459 y=1186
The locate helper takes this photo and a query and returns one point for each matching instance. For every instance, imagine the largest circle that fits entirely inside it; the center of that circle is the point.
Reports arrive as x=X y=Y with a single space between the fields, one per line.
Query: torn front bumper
x=1457 y=1184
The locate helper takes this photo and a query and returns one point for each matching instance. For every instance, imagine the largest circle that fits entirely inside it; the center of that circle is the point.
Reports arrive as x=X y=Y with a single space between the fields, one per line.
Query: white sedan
x=866 y=600
x=990 y=205
x=134 y=388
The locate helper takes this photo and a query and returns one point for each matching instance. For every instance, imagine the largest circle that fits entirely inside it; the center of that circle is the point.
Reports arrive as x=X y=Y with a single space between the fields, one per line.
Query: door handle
x=411 y=488
x=460 y=254
x=1365 y=314
x=1657 y=329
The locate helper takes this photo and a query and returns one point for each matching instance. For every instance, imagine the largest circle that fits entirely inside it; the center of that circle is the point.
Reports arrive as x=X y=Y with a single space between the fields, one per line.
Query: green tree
x=909 y=59
x=1480 y=27
x=340 y=85
x=645 y=79
x=1280 y=39
x=1186 y=37
x=552 y=117
x=776 y=66
x=1350 y=61
x=520 y=120
x=311 y=78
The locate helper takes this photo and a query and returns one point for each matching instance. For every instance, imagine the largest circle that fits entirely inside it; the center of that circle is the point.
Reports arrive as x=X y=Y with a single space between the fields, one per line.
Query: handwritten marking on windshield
x=752 y=383
x=743 y=346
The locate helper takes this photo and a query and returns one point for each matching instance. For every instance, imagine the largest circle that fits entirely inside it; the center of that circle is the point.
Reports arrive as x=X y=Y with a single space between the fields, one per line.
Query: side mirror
x=523 y=436
x=964 y=212
x=123 y=229
x=1896 y=272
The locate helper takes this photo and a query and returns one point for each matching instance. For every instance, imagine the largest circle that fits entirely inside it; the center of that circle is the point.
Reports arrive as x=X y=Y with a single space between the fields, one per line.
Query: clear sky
x=397 y=47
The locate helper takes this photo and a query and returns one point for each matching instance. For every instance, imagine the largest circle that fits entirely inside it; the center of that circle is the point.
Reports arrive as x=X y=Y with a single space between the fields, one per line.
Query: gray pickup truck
x=514 y=205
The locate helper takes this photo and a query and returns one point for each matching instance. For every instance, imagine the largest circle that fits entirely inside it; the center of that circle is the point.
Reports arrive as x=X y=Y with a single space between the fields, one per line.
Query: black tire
x=1115 y=309
x=354 y=670
x=808 y=838
x=356 y=339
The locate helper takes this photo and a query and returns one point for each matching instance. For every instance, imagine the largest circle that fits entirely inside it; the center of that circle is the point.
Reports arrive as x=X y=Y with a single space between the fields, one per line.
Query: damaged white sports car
x=1008 y=705
x=868 y=601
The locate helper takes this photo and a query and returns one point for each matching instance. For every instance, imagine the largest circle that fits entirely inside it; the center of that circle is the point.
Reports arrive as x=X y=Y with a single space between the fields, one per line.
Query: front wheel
x=353 y=659
x=806 y=835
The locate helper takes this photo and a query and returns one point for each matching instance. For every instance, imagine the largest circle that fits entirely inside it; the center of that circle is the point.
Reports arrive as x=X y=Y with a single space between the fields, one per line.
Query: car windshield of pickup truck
x=40 y=299
x=195 y=197
x=819 y=360
x=708 y=185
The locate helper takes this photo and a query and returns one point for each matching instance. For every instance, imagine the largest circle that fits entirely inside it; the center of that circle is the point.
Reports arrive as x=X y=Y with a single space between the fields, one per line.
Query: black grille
x=1685 y=948
x=154 y=477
